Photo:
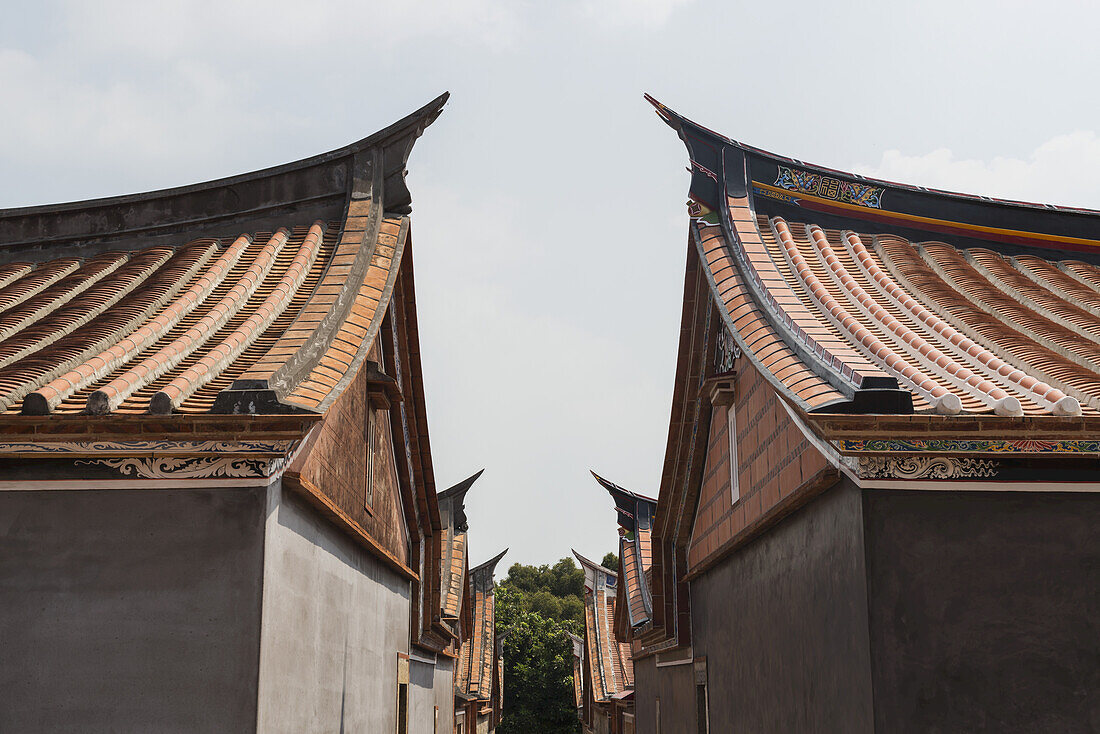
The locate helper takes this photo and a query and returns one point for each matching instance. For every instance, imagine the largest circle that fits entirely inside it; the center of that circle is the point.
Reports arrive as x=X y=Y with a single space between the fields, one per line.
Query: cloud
x=279 y=27
x=67 y=123
x=1060 y=171
x=648 y=14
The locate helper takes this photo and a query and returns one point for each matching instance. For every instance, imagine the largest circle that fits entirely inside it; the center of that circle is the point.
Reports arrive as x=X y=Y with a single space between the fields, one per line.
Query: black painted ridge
x=308 y=189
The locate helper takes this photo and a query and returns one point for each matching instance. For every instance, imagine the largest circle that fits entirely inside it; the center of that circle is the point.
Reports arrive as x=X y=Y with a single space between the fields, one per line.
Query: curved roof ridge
x=674 y=119
x=589 y=563
x=318 y=187
x=489 y=565
x=276 y=329
x=420 y=118
x=460 y=489
x=613 y=488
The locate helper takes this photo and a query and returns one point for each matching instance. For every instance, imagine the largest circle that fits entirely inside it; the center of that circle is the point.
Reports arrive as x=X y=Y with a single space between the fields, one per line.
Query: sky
x=549 y=226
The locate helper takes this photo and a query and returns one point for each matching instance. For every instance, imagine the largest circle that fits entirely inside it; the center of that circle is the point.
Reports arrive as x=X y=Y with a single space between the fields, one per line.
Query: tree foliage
x=610 y=562
x=537 y=606
x=538 y=670
x=553 y=592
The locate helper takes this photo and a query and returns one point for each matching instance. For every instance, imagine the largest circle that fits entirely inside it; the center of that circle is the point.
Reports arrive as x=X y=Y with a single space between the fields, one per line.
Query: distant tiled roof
x=452 y=514
x=256 y=294
x=474 y=677
x=454 y=571
x=860 y=296
x=635 y=515
x=610 y=665
x=578 y=671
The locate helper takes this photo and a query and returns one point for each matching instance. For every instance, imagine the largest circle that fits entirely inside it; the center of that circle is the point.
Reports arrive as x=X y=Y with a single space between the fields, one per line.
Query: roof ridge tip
x=612 y=487
x=427 y=114
x=492 y=562
x=588 y=561
x=461 y=487
x=412 y=124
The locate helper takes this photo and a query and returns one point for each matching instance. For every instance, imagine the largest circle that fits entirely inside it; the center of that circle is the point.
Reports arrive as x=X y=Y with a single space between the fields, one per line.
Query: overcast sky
x=549 y=225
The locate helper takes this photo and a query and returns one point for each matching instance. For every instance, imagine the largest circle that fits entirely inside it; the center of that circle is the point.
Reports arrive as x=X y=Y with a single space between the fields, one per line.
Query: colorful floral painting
x=861 y=194
x=804 y=182
x=949 y=445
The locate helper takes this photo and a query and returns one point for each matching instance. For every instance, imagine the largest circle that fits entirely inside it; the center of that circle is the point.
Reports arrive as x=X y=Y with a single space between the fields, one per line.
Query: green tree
x=554 y=592
x=537 y=606
x=545 y=604
x=538 y=671
x=610 y=562
x=567 y=579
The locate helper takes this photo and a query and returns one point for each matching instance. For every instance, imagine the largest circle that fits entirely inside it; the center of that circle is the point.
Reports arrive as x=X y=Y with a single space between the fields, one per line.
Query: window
x=371 y=442
x=731 y=419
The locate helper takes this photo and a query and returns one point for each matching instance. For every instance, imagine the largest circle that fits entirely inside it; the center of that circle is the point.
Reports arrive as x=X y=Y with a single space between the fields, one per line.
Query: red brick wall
x=336 y=463
x=774 y=460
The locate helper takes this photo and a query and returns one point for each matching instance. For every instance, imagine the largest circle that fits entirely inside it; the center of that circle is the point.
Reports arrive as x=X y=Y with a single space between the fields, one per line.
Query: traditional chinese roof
x=635 y=515
x=474 y=677
x=853 y=295
x=452 y=515
x=578 y=670
x=258 y=293
x=610 y=667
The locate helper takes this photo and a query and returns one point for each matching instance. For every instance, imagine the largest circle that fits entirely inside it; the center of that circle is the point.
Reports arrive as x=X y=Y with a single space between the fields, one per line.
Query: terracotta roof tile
x=198 y=299
x=753 y=327
x=610 y=665
x=995 y=309
x=454 y=574
x=160 y=326
x=839 y=293
x=474 y=677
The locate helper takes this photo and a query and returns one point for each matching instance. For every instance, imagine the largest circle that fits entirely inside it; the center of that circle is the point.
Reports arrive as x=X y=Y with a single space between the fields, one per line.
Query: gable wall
x=774 y=460
x=336 y=462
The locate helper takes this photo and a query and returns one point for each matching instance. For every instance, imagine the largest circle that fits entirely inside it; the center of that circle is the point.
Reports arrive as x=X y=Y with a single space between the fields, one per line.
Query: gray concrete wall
x=431 y=686
x=984 y=611
x=334 y=620
x=783 y=625
x=130 y=610
x=675 y=686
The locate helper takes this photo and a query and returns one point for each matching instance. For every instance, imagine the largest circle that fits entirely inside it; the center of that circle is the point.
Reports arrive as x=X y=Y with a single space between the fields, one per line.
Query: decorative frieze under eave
x=1036 y=452
x=1030 y=463
x=962 y=427
x=89 y=453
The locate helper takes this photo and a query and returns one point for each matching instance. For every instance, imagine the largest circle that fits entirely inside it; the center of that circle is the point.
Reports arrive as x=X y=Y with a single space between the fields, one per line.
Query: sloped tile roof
x=635 y=516
x=474 y=677
x=578 y=670
x=258 y=293
x=452 y=515
x=860 y=296
x=454 y=572
x=610 y=665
